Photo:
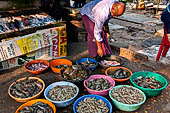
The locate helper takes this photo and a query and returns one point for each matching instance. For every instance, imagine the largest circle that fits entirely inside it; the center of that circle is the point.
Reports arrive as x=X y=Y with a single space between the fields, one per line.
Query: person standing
x=165 y=18
x=96 y=15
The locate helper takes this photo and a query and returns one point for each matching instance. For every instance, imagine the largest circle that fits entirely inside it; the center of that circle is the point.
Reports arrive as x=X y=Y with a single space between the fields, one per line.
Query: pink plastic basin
x=102 y=92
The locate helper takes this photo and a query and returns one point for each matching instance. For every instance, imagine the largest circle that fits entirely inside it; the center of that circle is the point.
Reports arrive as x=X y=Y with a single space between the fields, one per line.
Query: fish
x=92 y=105
x=62 y=92
x=26 y=88
x=38 y=107
x=127 y=95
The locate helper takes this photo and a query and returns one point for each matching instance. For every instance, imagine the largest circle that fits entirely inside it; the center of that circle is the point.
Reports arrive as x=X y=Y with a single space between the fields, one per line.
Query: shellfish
x=88 y=64
x=98 y=84
x=75 y=72
x=148 y=82
x=119 y=74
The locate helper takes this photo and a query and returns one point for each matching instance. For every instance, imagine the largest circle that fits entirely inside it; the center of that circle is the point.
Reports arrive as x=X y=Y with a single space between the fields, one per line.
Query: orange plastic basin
x=56 y=62
x=37 y=61
x=29 y=103
x=112 y=69
x=30 y=98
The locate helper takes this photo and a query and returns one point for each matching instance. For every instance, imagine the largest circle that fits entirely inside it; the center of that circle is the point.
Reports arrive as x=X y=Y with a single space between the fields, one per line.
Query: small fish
x=92 y=105
x=38 y=107
x=62 y=92
x=36 y=66
x=110 y=62
x=127 y=95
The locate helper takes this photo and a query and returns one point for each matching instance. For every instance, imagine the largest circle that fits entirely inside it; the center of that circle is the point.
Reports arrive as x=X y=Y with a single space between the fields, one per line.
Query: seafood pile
x=119 y=74
x=148 y=82
x=98 y=84
x=62 y=93
x=26 y=88
x=110 y=62
x=38 y=107
x=88 y=64
x=127 y=95
x=92 y=105
x=75 y=72
x=36 y=66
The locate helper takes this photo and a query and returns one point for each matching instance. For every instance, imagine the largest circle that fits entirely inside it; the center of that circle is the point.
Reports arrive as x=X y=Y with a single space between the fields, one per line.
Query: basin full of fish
x=110 y=62
x=26 y=88
x=88 y=64
x=92 y=105
x=36 y=66
x=127 y=95
x=75 y=73
x=38 y=107
x=62 y=92
x=119 y=74
x=98 y=84
x=148 y=82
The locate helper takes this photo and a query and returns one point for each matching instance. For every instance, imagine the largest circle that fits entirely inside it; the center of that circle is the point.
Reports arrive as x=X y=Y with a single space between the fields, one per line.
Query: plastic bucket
x=103 y=92
x=85 y=60
x=56 y=62
x=126 y=107
x=92 y=96
x=113 y=69
x=149 y=92
x=61 y=103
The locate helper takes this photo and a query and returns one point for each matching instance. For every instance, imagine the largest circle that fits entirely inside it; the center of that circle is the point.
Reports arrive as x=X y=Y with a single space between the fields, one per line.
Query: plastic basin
x=56 y=62
x=112 y=57
x=85 y=60
x=61 y=103
x=126 y=107
x=37 y=61
x=113 y=69
x=149 y=92
x=92 y=96
x=30 y=98
x=103 y=92
x=29 y=103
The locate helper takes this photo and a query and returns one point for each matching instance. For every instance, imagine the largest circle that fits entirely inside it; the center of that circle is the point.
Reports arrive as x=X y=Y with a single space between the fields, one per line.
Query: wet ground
x=123 y=38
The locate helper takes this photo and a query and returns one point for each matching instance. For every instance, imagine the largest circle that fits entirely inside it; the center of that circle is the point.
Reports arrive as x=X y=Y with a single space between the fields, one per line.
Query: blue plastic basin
x=85 y=60
x=92 y=96
x=61 y=103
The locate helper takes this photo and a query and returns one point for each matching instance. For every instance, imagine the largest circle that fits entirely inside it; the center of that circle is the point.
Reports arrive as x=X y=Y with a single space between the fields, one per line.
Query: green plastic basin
x=149 y=92
x=126 y=107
